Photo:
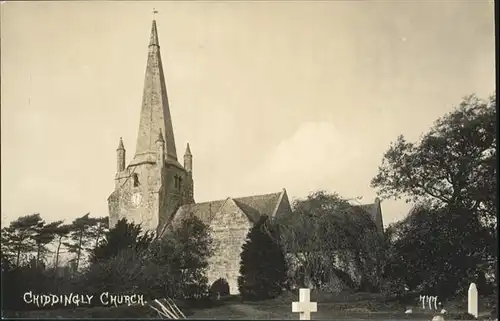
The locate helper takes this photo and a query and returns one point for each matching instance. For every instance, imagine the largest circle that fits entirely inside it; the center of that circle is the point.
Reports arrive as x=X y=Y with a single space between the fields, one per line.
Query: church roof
x=375 y=212
x=370 y=208
x=254 y=207
x=261 y=204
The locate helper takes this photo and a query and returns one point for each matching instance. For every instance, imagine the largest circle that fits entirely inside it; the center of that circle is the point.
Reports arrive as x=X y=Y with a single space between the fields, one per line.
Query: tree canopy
x=450 y=176
x=453 y=164
x=327 y=236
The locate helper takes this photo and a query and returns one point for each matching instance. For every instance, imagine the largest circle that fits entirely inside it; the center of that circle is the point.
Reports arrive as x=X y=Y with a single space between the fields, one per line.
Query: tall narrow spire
x=155 y=110
x=120 y=157
x=120 y=145
x=188 y=159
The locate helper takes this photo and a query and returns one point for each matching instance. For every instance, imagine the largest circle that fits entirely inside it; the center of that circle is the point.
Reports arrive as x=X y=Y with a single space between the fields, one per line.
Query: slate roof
x=262 y=204
x=375 y=213
x=254 y=208
x=204 y=211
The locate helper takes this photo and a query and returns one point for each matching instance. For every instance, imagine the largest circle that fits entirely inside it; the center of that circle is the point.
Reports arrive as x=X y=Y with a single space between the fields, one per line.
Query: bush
x=263 y=267
x=19 y=280
x=173 y=266
x=127 y=262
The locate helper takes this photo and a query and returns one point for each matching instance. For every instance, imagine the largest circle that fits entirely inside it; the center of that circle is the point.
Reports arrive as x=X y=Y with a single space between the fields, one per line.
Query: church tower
x=154 y=185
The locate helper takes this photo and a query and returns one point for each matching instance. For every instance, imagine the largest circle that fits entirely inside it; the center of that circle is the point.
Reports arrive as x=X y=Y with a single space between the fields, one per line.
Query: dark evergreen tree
x=122 y=236
x=263 y=266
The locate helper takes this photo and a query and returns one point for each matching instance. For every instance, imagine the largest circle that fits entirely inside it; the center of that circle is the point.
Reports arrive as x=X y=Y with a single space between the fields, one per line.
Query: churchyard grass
x=359 y=306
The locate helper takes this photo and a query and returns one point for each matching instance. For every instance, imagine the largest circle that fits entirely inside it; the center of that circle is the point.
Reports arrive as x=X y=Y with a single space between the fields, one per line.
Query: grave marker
x=473 y=306
x=304 y=306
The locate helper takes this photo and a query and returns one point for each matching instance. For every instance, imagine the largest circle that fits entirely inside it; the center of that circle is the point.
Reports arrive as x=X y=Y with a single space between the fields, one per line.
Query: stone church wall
x=121 y=205
x=230 y=227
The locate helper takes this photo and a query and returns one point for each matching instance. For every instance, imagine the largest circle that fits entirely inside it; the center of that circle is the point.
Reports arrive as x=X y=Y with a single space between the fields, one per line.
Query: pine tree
x=122 y=236
x=263 y=266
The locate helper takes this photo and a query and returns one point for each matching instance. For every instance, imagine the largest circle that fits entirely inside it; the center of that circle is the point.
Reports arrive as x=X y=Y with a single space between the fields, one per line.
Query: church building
x=156 y=190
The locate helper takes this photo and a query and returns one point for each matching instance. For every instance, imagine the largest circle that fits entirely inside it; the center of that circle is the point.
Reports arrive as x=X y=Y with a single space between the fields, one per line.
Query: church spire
x=155 y=111
x=188 y=159
x=153 y=39
x=120 y=157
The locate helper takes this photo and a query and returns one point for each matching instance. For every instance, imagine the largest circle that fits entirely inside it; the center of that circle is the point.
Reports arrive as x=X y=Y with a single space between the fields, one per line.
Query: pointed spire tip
x=120 y=144
x=188 y=150
x=153 y=39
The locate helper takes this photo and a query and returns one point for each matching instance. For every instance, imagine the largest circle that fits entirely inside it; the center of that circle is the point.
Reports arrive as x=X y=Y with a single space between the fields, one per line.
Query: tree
x=263 y=266
x=191 y=244
x=97 y=230
x=44 y=234
x=131 y=260
x=430 y=252
x=451 y=166
x=60 y=232
x=19 y=236
x=122 y=236
x=80 y=236
x=328 y=237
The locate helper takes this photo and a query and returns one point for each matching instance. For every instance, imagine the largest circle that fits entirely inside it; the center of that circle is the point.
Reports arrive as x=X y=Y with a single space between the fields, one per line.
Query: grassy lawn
x=344 y=307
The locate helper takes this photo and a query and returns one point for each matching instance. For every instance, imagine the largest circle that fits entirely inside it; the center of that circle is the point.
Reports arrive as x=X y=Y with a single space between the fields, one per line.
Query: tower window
x=136 y=179
x=176 y=181
x=180 y=183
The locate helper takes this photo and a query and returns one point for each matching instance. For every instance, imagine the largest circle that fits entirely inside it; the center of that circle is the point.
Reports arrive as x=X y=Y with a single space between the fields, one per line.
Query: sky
x=299 y=95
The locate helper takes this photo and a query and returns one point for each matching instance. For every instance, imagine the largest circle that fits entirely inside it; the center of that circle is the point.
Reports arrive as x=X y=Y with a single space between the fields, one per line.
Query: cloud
x=319 y=156
x=316 y=156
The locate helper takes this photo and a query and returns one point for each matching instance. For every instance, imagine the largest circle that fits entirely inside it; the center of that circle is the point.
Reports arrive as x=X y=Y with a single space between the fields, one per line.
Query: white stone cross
x=473 y=308
x=304 y=306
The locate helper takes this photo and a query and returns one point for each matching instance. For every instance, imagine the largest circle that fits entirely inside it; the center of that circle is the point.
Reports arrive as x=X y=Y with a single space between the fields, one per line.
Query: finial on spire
x=188 y=160
x=153 y=39
x=188 y=150
x=155 y=11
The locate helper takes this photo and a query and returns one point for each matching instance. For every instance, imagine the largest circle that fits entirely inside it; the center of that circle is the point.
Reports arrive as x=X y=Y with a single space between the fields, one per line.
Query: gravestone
x=473 y=304
x=304 y=306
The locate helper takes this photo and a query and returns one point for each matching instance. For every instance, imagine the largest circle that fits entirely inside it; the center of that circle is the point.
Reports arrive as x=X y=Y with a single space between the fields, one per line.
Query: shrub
x=173 y=266
x=263 y=266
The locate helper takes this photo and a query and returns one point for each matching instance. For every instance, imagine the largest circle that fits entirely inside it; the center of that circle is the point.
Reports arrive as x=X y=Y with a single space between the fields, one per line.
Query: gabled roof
x=254 y=207
x=204 y=211
x=369 y=208
x=261 y=204
x=252 y=214
x=374 y=211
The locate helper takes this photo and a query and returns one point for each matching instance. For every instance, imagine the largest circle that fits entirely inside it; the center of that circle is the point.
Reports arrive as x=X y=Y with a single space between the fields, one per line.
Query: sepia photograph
x=328 y=160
